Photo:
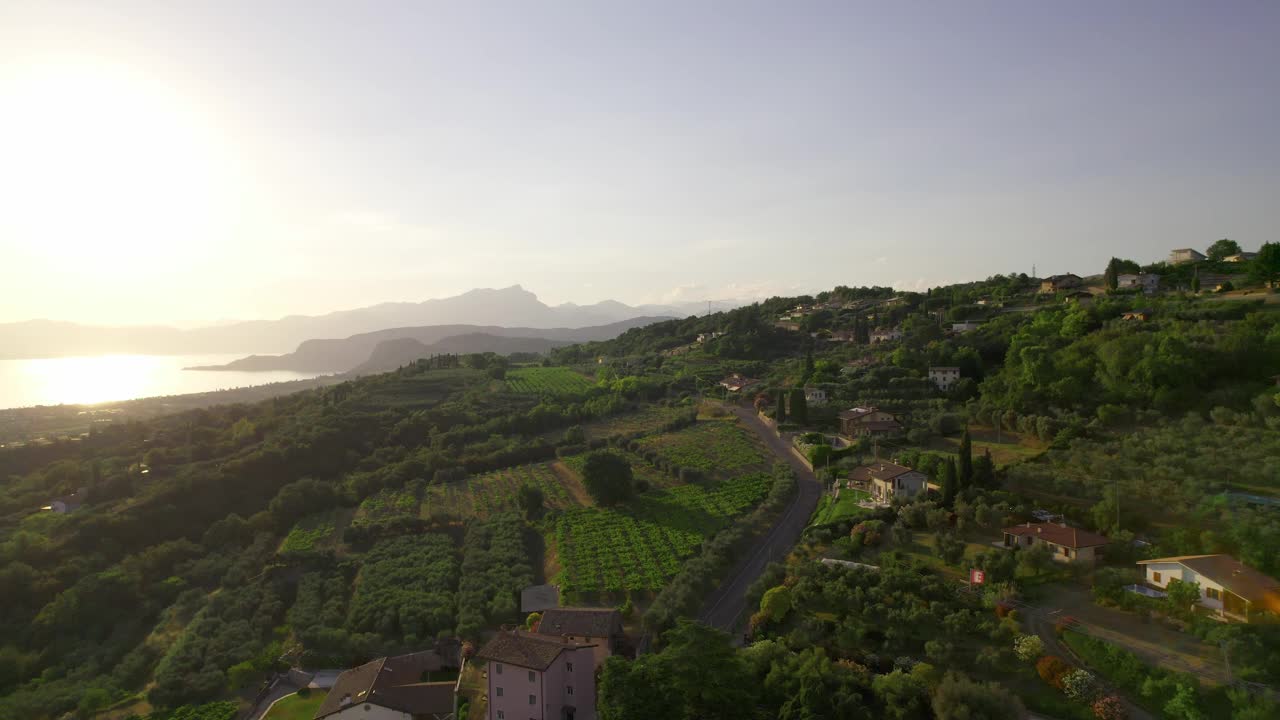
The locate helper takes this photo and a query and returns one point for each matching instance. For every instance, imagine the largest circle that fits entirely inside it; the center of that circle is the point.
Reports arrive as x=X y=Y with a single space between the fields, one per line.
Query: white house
x=1229 y=587
x=1240 y=257
x=944 y=377
x=390 y=689
x=966 y=326
x=815 y=396
x=888 y=480
x=890 y=335
x=1148 y=282
x=1184 y=255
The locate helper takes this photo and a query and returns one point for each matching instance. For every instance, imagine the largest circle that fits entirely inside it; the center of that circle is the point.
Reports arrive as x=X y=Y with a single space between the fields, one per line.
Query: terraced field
x=493 y=492
x=711 y=446
x=649 y=419
x=546 y=381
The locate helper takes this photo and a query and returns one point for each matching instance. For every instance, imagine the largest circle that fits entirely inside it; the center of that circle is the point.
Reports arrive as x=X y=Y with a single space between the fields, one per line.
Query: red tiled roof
x=1059 y=534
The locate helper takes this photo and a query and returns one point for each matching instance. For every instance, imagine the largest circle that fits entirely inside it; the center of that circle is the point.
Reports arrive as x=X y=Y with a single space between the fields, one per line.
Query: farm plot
x=494 y=492
x=642 y=546
x=386 y=505
x=546 y=381
x=641 y=469
x=309 y=535
x=649 y=419
x=709 y=446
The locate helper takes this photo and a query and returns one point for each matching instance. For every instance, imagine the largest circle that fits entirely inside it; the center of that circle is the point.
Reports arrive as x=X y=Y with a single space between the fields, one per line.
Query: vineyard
x=309 y=534
x=642 y=546
x=649 y=419
x=493 y=492
x=386 y=505
x=708 y=446
x=546 y=381
x=641 y=470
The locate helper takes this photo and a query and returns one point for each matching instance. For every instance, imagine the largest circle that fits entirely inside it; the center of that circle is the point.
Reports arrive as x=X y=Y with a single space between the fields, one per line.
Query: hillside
x=365 y=518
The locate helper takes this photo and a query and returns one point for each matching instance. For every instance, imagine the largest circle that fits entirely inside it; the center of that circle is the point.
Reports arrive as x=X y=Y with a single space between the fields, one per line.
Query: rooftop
x=592 y=622
x=1059 y=534
x=1232 y=575
x=535 y=652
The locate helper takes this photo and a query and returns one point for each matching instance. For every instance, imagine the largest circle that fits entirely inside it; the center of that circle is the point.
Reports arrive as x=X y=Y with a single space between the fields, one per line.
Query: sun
x=104 y=169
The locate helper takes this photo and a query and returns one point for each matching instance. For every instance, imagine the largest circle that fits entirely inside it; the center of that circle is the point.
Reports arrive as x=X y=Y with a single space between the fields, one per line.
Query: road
x=726 y=607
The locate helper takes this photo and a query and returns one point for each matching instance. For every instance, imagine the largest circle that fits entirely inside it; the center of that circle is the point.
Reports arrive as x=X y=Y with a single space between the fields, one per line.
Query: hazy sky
x=182 y=162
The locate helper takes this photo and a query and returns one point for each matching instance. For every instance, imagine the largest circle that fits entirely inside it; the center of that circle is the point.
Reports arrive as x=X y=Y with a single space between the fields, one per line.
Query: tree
x=1036 y=559
x=776 y=603
x=905 y=696
x=607 y=476
x=984 y=471
x=959 y=698
x=799 y=408
x=1112 y=275
x=1266 y=266
x=1195 y=281
x=1222 y=248
x=530 y=500
x=1182 y=596
x=949 y=482
x=965 y=476
x=626 y=689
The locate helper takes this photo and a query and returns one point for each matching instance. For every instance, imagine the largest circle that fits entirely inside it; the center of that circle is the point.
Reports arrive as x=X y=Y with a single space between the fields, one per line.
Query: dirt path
x=726 y=607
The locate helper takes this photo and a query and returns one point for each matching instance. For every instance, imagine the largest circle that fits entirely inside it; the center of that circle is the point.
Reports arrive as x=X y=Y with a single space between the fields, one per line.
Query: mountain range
x=388 y=349
x=512 y=307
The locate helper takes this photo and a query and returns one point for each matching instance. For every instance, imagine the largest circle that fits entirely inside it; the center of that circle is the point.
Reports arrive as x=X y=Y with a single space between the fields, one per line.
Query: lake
x=103 y=378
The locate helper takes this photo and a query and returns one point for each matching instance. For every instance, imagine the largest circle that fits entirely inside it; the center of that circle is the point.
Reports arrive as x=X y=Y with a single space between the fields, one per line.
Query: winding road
x=726 y=607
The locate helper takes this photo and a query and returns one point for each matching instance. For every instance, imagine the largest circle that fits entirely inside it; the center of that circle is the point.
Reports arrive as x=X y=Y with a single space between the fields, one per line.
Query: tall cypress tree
x=781 y=415
x=799 y=407
x=966 y=461
x=949 y=482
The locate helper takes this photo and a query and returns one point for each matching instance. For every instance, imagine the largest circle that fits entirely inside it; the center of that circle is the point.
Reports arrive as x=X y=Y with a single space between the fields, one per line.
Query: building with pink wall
x=536 y=677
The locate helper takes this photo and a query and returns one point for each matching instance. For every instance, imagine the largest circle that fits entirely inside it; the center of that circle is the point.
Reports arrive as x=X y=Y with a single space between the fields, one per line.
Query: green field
x=546 y=380
x=296 y=707
x=385 y=505
x=648 y=419
x=709 y=446
x=483 y=495
x=846 y=506
x=309 y=534
x=643 y=546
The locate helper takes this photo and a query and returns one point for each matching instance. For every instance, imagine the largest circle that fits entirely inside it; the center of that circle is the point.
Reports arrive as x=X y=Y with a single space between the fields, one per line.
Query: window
x=501 y=715
x=533 y=699
x=498 y=692
x=1066 y=551
x=568 y=666
x=530 y=676
x=497 y=667
x=568 y=689
x=1155 y=577
x=1212 y=593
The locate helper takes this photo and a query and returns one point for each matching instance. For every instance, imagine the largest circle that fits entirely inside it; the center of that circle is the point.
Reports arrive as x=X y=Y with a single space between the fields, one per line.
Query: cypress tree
x=966 y=461
x=799 y=407
x=949 y=482
x=781 y=415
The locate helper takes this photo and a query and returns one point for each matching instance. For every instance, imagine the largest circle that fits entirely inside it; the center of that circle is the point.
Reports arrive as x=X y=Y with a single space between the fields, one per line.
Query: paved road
x=726 y=607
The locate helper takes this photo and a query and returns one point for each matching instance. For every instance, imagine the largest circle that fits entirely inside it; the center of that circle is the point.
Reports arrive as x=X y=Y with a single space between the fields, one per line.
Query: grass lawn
x=296 y=707
x=846 y=506
x=1012 y=447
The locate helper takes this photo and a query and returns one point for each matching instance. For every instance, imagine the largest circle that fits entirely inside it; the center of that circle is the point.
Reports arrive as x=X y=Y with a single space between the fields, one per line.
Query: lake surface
x=103 y=378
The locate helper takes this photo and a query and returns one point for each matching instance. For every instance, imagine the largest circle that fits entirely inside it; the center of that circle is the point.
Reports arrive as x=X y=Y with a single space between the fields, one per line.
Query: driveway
x=1151 y=641
x=726 y=607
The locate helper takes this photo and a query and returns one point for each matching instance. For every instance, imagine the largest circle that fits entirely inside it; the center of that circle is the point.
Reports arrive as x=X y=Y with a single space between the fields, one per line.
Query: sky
x=186 y=163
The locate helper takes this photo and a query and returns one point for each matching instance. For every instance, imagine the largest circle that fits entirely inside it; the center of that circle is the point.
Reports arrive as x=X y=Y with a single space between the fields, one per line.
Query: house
x=842 y=336
x=1059 y=282
x=1240 y=257
x=1078 y=297
x=1068 y=544
x=966 y=326
x=1148 y=282
x=703 y=337
x=890 y=335
x=887 y=480
x=536 y=677
x=1137 y=315
x=537 y=598
x=1185 y=255
x=815 y=396
x=868 y=422
x=737 y=383
x=66 y=503
x=944 y=377
x=391 y=689
x=600 y=628
x=1228 y=586
x=787 y=325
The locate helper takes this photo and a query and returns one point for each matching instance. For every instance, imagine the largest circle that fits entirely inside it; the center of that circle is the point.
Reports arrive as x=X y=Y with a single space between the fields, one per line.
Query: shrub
x=1028 y=648
x=1052 y=669
x=1110 y=708
x=1081 y=685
